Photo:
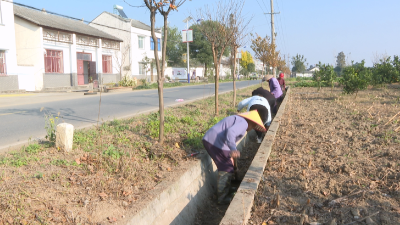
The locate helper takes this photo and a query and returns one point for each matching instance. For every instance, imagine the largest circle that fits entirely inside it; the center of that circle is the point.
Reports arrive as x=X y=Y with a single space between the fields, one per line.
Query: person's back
x=266 y=94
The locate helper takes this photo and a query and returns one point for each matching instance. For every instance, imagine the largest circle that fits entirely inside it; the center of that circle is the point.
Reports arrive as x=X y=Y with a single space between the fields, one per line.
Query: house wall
x=139 y=54
x=7 y=44
x=121 y=58
x=51 y=80
x=130 y=53
x=30 y=54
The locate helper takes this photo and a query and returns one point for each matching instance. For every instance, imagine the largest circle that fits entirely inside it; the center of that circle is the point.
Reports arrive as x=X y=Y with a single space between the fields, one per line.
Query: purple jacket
x=275 y=88
x=227 y=132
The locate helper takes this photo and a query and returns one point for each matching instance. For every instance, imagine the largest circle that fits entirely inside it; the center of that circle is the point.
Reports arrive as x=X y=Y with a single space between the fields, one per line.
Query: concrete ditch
x=239 y=211
x=179 y=201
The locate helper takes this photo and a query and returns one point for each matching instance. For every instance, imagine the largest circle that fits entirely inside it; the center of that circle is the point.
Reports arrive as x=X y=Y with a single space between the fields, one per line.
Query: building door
x=81 y=74
x=92 y=72
x=83 y=60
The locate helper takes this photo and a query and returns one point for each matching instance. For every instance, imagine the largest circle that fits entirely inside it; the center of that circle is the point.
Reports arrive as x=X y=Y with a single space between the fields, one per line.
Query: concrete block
x=64 y=136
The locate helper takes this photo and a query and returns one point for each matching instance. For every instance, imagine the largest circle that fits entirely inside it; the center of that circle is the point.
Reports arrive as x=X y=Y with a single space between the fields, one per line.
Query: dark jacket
x=266 y=94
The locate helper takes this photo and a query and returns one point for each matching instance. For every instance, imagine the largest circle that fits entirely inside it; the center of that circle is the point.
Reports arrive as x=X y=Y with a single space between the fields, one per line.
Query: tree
x=239 y=26
x=246 y=59
x=174 y=47
x=251 y=67
x=355 y=78
x=120 y=61
x=261 y=46
x=265 y=51
x=282 y=66
x=164 y=8
x=386 y=72
x=299 y=63
x=325 y=74
x=200 y=48
x=217 y=30
x=340 y=63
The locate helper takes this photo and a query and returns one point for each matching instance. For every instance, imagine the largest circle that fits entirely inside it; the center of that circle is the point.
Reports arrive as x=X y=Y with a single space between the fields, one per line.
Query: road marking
x=5 y=114
x=15 y=95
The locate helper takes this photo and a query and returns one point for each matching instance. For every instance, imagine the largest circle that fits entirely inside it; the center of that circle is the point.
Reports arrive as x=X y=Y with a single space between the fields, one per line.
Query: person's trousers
x=220 y=157
x=277 y=104
x=263 y=112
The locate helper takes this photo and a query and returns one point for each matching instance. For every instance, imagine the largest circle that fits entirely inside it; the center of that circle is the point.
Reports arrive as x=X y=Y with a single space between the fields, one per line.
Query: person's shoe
x=259 y=140
x=223 y=187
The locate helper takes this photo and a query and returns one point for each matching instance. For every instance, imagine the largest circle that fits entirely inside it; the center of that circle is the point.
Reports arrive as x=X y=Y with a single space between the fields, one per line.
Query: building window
x=152 y=44
x=141 y=42
x=2 y=63
x=53 y=61
x=142 y=69
x=107 y=64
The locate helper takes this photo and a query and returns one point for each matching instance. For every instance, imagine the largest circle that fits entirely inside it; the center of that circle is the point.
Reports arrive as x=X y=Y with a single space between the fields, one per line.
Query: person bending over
x=220 y=143
x=263 y=108
x=266 y=94
x=276 y=91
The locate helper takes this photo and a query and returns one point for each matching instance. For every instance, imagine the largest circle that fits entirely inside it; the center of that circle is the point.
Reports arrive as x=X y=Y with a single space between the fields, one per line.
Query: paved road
x=20 y=122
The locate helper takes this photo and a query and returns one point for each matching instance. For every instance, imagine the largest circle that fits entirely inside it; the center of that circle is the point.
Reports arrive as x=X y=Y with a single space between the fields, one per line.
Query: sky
x=317 y=29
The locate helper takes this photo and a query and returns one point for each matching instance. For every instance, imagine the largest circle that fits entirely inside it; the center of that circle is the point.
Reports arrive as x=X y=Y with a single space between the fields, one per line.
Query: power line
x=263 y=10
x=134 y=5
x=282 y=29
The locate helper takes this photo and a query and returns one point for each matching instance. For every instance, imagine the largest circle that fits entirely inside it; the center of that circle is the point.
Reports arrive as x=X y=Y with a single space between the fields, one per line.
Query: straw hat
x=268 y=77
x=255 y=117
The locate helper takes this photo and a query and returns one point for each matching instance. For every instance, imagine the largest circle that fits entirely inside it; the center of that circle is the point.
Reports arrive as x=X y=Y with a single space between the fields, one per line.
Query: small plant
x=38 y=175
x=112 y=152
x=32 y=148
x=355 y=78
x=127 y=81
x=50 y=124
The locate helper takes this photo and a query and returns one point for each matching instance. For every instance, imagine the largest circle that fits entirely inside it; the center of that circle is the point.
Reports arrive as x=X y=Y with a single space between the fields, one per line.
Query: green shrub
x=355 y=78
x=326 y=74
x=386 y=72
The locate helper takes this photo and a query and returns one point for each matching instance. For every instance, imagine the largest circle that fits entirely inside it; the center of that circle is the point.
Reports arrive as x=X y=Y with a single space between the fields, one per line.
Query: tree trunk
x=159 y=75
x=151 y=72
x=216 y=76
x=205 y=70
x=234 y=75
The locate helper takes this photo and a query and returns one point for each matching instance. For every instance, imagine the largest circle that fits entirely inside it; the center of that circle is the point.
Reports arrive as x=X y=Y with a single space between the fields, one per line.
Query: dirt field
x=112 y=171
x=336 y=158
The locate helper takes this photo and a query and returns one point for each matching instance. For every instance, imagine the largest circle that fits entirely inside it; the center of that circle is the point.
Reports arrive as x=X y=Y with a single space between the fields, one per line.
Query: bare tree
x=164 y=8
x=239 y=26
x=262 y=49
x=121 y=60
x=217 y=29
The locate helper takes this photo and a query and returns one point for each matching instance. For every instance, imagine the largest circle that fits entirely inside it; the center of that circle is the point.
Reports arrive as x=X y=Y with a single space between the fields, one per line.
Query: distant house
x=55 y=51
x=138 y=43
x=8 y=53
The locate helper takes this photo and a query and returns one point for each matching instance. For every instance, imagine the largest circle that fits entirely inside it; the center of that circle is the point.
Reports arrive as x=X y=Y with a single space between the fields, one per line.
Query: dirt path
x=334 y=158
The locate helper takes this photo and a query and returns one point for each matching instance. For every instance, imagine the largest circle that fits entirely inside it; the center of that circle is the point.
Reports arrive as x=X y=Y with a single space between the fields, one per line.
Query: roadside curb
x=239 y=211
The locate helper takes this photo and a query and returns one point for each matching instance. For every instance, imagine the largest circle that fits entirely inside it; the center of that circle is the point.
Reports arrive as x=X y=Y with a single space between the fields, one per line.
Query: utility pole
x=273 y=32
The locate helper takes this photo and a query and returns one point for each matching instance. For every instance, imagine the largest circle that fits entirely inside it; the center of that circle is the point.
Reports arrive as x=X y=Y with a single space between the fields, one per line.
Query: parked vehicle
x=253 y=77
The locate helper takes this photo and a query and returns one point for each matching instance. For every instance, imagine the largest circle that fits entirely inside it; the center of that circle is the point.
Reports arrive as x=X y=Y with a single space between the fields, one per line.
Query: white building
x=259 y=65
x=137 y=42
x=53 y=51
x=8 y=53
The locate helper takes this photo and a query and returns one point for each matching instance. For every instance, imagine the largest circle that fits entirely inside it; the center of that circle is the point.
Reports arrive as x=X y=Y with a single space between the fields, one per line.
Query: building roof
x=44 y=19
x=134 y=23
